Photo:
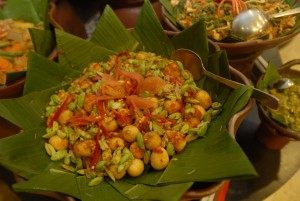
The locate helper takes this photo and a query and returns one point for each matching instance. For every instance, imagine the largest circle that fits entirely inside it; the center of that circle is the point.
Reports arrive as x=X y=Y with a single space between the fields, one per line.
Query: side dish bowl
x=62 y=16
x=271 y=133
x=242 y=54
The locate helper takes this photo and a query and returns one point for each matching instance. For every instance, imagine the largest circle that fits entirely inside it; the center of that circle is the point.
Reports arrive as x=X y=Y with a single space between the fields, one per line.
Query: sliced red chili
x=59 y=111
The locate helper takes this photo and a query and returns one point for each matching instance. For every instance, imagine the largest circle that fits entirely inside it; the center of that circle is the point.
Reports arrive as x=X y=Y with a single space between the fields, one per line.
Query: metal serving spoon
x=253 y=22
x=283 y=83
x=192 y=62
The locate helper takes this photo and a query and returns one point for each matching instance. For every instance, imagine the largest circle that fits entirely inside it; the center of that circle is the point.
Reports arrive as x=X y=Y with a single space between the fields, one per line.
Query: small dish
x=271 y=133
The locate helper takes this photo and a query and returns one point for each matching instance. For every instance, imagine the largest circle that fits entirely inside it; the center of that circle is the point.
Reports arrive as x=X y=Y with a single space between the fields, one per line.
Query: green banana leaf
x=213 y=158
x=171 y=13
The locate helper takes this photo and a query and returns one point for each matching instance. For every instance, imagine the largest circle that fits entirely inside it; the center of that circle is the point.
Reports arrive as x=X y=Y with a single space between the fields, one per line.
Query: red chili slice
x=59 y=111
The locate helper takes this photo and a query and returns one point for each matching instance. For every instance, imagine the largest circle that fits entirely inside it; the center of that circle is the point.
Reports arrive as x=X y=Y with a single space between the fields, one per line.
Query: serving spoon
x=283 y=83
x=253 y=22
x=193 y=63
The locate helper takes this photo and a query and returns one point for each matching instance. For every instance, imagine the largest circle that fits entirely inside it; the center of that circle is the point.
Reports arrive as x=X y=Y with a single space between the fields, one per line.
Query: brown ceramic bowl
x=241 y=55
x=270 y=133
x=125 y=3
x=62 y=16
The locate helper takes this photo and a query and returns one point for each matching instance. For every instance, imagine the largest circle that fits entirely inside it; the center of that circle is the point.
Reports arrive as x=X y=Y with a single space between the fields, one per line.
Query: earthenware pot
x=271 y=133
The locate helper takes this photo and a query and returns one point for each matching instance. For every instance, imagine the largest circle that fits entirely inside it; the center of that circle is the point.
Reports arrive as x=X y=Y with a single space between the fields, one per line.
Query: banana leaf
x=171 y=13
x=215 y=157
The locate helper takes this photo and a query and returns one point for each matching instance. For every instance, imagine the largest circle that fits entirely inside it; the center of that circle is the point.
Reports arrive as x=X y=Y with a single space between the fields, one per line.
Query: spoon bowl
x=253 y=22
x=283 y=83
x=193 y=63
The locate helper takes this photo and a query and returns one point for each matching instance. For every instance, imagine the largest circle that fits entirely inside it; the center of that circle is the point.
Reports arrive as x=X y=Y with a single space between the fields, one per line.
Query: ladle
x=253 y=22
x=192 y=62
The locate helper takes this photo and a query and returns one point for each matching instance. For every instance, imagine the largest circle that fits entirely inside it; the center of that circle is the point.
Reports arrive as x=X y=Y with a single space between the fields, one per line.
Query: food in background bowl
x=288 y=112
x=218 y=16
x=134 y=109
x=280 y=126
x=15 y=42
x=241 y=53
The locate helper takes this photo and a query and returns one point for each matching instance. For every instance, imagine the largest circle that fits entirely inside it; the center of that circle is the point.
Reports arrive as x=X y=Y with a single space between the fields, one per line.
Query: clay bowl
x=125 y=3
x=271 y=133
x=202 y=190
x=62 y=16
x=241 y=55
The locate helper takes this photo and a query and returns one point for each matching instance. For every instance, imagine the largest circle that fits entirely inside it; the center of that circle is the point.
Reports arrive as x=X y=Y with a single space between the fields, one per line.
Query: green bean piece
x=175 y=116
x=216 y=112
x=106 y=155
x=96 y=181
x=49 y=149
x=83 y=134
x=140 y=140
x=157 y=111
x=12 y=54
x=103 y=145
x=110 y=174
x=61 y=134
x=170 y=149
x=56 y=99
x=68 y=167
x=126 y=157
x=185 y=128
x=146 y=158
x=50 y=110
x=202 y=128
x=81 y=172
x=4 y=43
x=216 y=105
x=9 y=58
x=79 y=163
x=191 y=137
x=116 y=157
x=67 y=160
x=207 y=117
x=73 y=136
x=59 y=155
x=158 y=129
x=184 y=88
x=100 y=165
x=177 y=127
x=124 y=166
x=80 y=100
x=72 y=156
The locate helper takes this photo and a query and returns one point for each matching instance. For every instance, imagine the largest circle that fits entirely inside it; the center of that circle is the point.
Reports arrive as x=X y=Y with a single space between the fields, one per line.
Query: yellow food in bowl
x=15 y=41
x=288 y=112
